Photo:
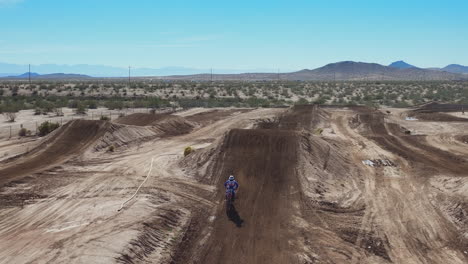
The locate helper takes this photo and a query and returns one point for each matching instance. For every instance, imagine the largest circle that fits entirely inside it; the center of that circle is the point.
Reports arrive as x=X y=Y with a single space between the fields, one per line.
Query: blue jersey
x=231 y=185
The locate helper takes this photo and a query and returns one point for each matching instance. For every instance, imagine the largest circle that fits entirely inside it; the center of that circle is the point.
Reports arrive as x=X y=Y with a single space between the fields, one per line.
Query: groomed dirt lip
x=437 y=112
x=164 y=124
x=205 y=118
x=438 y=117
x=263 y=162
x=438 y=107
x=142 y=119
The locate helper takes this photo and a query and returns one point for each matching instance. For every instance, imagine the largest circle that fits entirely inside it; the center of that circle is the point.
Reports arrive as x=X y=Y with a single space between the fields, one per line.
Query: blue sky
x=240 y=34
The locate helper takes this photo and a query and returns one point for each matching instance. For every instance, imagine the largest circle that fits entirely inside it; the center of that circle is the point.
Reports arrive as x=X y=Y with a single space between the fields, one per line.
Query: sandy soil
x=305 y=197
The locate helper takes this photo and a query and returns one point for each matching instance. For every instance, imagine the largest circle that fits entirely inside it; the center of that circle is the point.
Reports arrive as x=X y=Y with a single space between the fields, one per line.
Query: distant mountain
x=25 y=75
x=63 y=76
x=350 y=70
x=455 y=68
x=345 y=70
x=109 y=71
x=401 y=65
x=55 y=76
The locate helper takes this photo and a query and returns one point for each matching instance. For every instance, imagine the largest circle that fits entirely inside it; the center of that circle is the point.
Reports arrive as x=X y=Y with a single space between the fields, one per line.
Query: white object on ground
x=368 y=163
x=409 y=118
x=149 y=172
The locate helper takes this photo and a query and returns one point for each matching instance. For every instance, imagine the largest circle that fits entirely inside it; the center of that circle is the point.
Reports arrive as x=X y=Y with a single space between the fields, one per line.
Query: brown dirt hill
x=141 y=119
x=75 y=138
x=267 y=159
x=69 y=140
x=299 y=117
x=437 y=112
x=439 y=117
x=205 y=118
x=164 y=124
x=437 y=107
x=293 y=187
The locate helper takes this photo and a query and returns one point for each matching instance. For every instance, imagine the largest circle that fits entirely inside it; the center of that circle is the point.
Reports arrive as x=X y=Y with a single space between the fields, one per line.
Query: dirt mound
x=205 y=118
x=298 y=117
x=164 y=124
x=265 y=160
x=437 y=107
x=173 y=126
x=69 y=140
x=436 y=112
x=284 y=172
x=439 y=117
x=119 y=135
x=141 y=119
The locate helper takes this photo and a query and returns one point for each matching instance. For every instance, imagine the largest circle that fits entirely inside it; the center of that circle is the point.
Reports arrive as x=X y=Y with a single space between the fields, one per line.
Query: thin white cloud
x=166 y=46
x=193 y=39
x=7 y=2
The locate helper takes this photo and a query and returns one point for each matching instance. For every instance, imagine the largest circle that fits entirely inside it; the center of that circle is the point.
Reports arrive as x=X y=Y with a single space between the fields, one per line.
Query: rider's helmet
x=231 y=178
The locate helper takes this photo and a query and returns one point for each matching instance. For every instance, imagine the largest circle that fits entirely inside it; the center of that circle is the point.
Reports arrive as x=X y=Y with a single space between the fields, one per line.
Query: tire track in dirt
x=399 y=202
x=412 y=148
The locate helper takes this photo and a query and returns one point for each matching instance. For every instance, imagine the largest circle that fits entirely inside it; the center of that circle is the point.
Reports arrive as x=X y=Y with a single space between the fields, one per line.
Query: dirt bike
x=229 y=200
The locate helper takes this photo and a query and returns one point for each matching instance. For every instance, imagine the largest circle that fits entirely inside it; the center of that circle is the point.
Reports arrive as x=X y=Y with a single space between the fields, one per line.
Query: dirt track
x=63 y=144
x=305 y=195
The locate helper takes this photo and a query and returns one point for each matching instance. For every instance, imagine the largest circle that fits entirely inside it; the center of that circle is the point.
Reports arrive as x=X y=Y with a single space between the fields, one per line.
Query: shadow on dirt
x=234 y=216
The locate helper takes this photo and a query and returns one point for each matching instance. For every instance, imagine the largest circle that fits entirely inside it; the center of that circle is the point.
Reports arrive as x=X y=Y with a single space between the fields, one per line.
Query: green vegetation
x=23 y=132
x=188 y=150
x=48 y=96
x=47 y=127
x=111 y=148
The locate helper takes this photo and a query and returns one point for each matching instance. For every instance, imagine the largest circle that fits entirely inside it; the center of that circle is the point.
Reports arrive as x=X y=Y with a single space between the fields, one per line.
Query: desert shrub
x=81 y=109
x=23 y=132
x=58 y=111
x=114 y=104
x=111 y=148
x=302 y=101
x=45 y=106
x=152 y=111
x=104 y=118
x=318 y=131
x=37 y=111
x=92 y=104
x=10 y=116
x=73 y=104
x=47 y=127
x=188 y=150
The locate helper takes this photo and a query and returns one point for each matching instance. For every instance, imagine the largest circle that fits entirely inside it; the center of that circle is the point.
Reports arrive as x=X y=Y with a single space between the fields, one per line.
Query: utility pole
x=129 y=77
x=211 y=74
x=29 y=75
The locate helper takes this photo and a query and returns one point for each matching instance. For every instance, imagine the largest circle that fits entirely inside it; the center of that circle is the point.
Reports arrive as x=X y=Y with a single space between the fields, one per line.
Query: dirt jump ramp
x=265 y=160
x=264 y=225
x=69 y=140
x=163 y=124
